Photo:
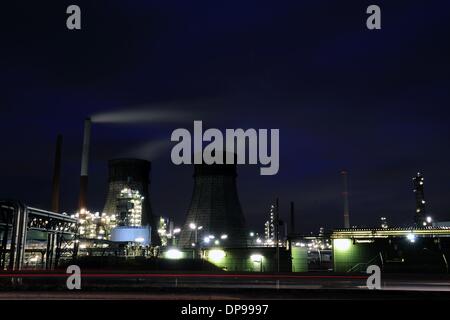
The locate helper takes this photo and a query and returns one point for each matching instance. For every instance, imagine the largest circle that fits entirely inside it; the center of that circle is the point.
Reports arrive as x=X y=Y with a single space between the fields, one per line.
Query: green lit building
x=256 y=259
x=421 y=250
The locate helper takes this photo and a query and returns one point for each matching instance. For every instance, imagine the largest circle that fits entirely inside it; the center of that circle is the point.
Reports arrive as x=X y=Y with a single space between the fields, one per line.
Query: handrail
x=363 y=263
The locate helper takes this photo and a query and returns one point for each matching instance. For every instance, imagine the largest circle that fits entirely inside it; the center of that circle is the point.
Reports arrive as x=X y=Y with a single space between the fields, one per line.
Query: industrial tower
x=215 y=212
x=420 y=214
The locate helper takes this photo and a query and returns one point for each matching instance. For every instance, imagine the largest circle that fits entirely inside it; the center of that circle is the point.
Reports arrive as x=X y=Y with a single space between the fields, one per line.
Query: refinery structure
x=214 y=229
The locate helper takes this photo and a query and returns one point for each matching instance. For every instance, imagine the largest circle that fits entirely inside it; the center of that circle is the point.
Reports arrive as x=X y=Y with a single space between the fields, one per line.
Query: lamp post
x=196 y=228
x=174 y=233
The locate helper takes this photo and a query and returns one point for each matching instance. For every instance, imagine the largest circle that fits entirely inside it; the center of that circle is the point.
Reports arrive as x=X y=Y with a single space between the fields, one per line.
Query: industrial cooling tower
x=215 y=216
x=131 y=174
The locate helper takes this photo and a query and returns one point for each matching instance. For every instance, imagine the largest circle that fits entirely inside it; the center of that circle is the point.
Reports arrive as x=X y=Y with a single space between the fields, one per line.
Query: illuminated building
x=129 y=208
x=269 y=228
x=132 y=175
x=94 y=225
x=165 y=230
x=314 y=250
x=418 y=249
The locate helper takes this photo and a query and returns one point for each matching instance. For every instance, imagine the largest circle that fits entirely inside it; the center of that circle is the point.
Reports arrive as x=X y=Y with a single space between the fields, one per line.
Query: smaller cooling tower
x=215 y=207
x=131 y=174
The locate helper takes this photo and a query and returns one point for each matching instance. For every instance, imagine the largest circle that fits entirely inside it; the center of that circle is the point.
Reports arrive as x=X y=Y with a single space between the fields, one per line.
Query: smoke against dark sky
x=375 y=103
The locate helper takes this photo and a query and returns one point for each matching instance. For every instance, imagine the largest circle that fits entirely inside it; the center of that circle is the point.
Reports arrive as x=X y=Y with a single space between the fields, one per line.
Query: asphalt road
x=221 y=286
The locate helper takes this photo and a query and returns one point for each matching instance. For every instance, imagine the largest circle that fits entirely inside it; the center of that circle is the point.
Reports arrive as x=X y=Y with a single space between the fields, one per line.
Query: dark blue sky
x=374 y=102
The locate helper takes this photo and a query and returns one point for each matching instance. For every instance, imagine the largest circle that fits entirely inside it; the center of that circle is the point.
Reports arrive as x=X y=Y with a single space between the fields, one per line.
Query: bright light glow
x=252 y=234
x=211 y=236
x=216 y=255
x=411 y=237
x=177 y=230
x=193 y=244
x=200 y=228
x=256 y=257
x=429 y=219
x=192 y=226
x=342 y=244
x=174 y=254
x=258 y=240
x=140 y=239
x=216 y=242
x=365 y=241
x=224 y=236
x=206 y=240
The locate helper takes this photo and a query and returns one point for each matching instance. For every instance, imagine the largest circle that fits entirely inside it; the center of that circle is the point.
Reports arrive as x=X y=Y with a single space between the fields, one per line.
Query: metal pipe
x=4 y=246
x=22 y=238
x=19 y=231
x=14 y=236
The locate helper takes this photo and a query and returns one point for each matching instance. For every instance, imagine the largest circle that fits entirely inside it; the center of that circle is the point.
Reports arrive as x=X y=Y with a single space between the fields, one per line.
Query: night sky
x=373 y=102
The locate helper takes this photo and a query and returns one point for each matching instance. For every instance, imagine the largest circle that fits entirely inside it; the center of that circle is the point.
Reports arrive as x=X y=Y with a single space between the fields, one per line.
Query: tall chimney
x=292 y=231
x=344 y=175
x=85 y=164
x=57 y=175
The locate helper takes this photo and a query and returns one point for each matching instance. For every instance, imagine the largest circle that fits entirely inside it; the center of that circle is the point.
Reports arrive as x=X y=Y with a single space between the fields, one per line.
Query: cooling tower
x=132 y=174
x=215 y=209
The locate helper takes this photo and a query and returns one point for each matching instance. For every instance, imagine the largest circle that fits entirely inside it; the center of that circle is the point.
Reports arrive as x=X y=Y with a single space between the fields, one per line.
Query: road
x=218 y=286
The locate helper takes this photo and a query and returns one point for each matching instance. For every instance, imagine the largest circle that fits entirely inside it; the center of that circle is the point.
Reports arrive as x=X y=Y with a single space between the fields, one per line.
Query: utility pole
x=292 y=224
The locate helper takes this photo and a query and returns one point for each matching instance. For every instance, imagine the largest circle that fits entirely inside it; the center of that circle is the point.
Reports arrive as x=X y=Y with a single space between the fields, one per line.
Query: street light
x=174 y=235
x=194 y=227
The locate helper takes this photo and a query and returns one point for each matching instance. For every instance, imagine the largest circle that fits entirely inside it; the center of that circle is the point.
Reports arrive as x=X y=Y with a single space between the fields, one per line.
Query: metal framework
x=391 y=232
x=17 y=219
